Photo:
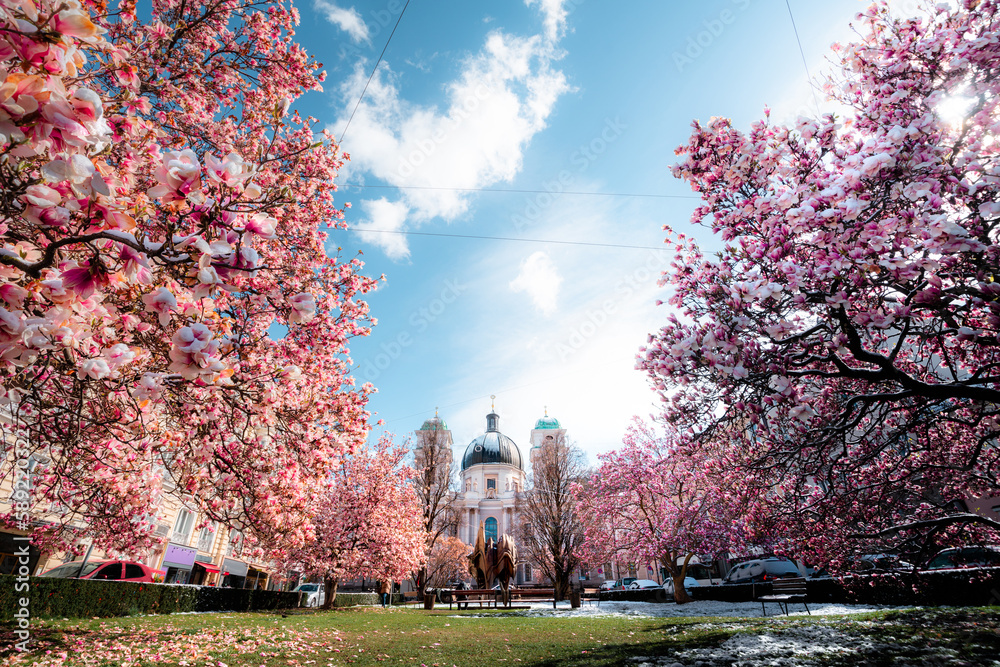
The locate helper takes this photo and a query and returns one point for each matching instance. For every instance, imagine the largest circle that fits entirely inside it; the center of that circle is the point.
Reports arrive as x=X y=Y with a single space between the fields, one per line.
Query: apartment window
x=206 y=537
x=182 y=527
x=527 y=571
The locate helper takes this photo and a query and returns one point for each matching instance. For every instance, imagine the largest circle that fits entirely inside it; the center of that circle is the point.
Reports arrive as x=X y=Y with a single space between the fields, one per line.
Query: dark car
x=962 y=557
x=762 y=569
x=108 y=570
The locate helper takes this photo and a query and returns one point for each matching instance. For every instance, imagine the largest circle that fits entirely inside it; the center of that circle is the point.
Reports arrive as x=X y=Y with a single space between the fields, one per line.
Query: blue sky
x=558 y=96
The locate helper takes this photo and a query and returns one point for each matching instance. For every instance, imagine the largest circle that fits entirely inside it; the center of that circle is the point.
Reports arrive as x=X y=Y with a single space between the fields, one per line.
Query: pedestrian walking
x=384 y=589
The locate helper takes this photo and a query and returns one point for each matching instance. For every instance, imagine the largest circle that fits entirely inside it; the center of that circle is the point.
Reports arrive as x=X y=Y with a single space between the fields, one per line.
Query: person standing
x=384 y=589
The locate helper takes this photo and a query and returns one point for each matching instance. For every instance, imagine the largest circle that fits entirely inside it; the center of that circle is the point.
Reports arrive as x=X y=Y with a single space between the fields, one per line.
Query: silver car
x=313 y=595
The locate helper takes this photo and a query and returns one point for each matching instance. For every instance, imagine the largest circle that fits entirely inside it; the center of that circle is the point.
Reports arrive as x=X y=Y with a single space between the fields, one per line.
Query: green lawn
x=371 y=636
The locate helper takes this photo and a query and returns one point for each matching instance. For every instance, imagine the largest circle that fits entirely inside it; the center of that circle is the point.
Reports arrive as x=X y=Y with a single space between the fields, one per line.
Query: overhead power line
x=803 y=54
x=519 y=191
x=374 y=69
x=500 y=238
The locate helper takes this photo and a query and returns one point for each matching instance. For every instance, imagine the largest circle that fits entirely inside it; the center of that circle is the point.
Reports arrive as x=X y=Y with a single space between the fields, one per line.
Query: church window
x=468 y=485
x=491 y=483
x=491 y=529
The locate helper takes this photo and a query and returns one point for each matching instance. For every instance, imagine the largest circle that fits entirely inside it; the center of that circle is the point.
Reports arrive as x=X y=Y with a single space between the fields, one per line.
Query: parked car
x=313 y=595
x=881 y=563
x=618 y=584
x=689 y=583
x=643 y=583
x=108 y=570
x=762 y=569
x=962 y=557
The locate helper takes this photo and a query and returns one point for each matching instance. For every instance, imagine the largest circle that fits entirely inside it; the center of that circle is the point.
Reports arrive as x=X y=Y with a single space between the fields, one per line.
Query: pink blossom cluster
x=160 y=215
x=662 y=498
x=368 y=524
x=845 y=342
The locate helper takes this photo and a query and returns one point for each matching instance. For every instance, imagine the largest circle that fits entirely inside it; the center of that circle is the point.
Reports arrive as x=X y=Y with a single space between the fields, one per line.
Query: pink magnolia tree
x=162 y=210
x=661 y=497
x=848 y=332
x=368 y=524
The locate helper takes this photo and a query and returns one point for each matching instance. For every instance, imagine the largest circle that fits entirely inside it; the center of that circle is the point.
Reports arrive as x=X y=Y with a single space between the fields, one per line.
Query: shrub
x=355 y=599
x=76 y=598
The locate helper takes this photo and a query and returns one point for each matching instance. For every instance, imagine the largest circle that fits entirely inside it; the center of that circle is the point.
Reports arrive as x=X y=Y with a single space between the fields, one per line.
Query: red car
x=109 y=570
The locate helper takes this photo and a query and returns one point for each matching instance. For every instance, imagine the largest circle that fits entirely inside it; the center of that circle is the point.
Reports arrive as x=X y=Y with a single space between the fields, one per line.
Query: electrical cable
x=803 y=54
x=517 y=191
x=497 y=238
x=374 y=69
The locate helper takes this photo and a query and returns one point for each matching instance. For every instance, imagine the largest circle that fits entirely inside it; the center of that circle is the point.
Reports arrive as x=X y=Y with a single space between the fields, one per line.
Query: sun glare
x=954 y=109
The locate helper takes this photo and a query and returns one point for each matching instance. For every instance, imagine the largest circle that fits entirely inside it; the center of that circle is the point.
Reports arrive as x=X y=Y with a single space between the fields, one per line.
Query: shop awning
x=208 y=566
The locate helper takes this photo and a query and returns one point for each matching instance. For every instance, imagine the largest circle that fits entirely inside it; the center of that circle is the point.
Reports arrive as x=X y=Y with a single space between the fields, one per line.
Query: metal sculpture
x=493 y=560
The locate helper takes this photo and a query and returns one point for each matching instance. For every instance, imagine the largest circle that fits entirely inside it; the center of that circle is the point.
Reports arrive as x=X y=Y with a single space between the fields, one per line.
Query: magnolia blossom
x=93 y=368
x=231 y=170
x=195 y=354
x=179 y=176
x=303 y=308
x=160 y=301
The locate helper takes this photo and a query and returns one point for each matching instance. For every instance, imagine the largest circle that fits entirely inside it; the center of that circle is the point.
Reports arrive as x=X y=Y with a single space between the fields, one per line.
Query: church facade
x=492 y=471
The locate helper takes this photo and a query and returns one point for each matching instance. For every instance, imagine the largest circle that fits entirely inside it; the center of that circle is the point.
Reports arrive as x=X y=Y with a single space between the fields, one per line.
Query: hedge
x=358 y=599
x=77 y=598
x=637 y=595
x=960 y=588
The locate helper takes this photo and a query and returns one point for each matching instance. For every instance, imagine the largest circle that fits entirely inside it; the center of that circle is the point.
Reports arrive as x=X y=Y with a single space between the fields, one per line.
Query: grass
x=373 y=636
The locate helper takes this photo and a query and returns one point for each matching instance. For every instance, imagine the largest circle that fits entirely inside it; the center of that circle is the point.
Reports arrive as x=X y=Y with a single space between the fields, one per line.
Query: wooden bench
x=545 y=594
x=785 y=591
x=411 y=596
x=481 y=595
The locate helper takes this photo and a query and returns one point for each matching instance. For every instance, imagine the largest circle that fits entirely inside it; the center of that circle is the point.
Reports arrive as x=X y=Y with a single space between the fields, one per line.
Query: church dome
x=492 y=447
x=547 y=422
x=434 y=424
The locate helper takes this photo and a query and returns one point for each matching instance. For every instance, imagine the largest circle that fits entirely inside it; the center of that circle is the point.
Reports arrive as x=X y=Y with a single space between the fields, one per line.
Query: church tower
x=547 y=431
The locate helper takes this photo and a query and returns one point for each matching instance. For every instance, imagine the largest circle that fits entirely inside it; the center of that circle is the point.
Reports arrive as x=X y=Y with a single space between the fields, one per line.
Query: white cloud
x=384 y=215
x=555 y=17
x=502 y=97
x=348 y=20
x=540 y=279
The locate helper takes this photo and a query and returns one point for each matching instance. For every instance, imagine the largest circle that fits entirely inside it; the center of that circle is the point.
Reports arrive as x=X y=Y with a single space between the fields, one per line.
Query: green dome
x=434 y=424
x=547 y=422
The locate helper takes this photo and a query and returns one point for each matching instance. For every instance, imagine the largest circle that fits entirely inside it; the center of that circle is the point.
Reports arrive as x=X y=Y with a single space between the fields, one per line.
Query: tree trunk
x=330 y=586
x=680 y=593
x=421 y=582
x=561 y=585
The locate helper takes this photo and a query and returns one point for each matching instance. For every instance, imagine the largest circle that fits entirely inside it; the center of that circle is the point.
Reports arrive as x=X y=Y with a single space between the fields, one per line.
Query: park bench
x=480 y=595
x=411 y=596
x=533 y=594
x=785 y=591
